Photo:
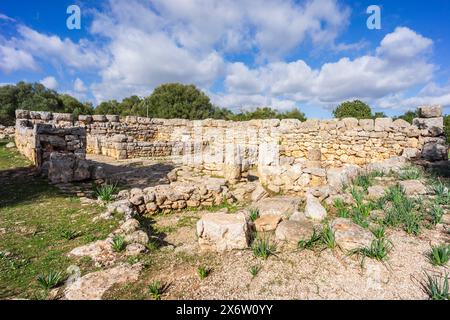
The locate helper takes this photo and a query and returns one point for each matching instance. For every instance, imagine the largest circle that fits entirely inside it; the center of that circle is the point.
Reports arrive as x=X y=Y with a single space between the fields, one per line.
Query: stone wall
x=6 y=132
x=58 y=152
x=277 y=147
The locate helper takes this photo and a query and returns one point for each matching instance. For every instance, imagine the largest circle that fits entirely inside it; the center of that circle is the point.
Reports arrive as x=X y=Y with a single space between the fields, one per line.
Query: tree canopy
x=35 y=96
x=268 y=113
x=353 y=109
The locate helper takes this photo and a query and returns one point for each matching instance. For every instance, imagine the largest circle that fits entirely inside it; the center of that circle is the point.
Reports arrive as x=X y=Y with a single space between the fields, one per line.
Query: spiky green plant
x=203 y=272
x=379 y=232
x=379 y=249
x=254 y=214
x=155 y=290
x=437 y=287
x=118 y=243
x=364 y=181
x=106 y=192
x=410 y=173
x=50 y=280
x=441 y=192
x=440 y=255
x=69 y=234
x=254 y=270
x=262 y=247
x=436 y=213
x=311 y=242
x=328 y=237
x=341 y=208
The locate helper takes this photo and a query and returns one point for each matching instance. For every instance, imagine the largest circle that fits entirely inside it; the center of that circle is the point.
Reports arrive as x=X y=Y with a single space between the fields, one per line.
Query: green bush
x=353 y=109
x=50 y=280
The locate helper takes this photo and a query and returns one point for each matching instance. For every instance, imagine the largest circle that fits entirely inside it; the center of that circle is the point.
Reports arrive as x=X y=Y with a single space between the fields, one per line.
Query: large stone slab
x=280 y=206
x=94 y=285
x=349 y=235
x=413 y=187
x=293 y=231
x=267 y=223
x=222 y=231
x=430 y=111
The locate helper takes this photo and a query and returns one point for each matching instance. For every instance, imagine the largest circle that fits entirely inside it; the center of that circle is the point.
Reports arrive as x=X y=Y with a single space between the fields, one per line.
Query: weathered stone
x=222 y=231
x=134 y=249
x=94 y=285
x=267 y=223
x=129 y=226
x=350 y=236
x=430 y=111
x=313 y=209
x=137 y=237
x=375 y=192
x=279 y=206
x=10 y=145
x=413 y=187
x=259 y=193
x=294 y=231
x=314 y=154
x=435 y=152
x=99 y=251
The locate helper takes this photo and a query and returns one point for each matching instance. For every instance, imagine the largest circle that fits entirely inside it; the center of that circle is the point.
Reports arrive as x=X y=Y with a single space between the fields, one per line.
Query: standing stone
x=313 y=209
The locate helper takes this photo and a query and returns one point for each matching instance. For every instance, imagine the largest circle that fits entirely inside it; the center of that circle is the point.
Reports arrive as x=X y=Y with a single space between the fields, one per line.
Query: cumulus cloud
x=12 y=59
x=79 y=86
x=50 y=82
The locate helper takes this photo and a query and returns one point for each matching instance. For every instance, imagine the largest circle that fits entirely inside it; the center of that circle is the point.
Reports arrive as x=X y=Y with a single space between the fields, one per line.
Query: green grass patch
x=11 y=158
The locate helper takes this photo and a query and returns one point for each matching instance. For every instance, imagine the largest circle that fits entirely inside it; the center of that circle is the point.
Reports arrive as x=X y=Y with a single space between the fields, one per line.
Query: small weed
x=254 y=214
x=254 y=270
x=51 y=280
x=440 y=255
x=203 y=272
x=155 y=289
x=442 y=193
x=436 y=213
x=379 y=249
x=364 y=181
x=437 y=287
x=152 y=245
x=410 y=173
x=70 y=234
x=262 y=247
x=106 y=192
x=328 y=237
x=118 y=243
x=379 y=232
x=311 y=242
x=342 y=210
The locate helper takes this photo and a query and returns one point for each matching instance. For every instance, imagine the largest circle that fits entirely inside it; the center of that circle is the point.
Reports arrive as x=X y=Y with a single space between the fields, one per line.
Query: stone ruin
x=290 y=156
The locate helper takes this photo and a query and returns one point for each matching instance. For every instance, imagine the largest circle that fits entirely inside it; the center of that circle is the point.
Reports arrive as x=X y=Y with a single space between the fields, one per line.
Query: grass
x=34 y=214
x=341 y=208
x=440 y=255
x=106 y=192
x=312 y=242
x=410 y=173
x=51 y=280
x=378 y=250
x=69 y=234
x=262 y=247
x=155 y=289
x=437 y=287
x=436 y=213
x=10 y=158
x=441 y=192
x=254 y=270
x=328 y=237
x=203 y=272
x=379 y=232
x=254 y=214
x=118 y=243
x=325 y=237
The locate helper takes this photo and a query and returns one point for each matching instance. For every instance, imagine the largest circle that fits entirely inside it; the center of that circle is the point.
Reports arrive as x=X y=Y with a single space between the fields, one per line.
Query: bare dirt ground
x=290 y=274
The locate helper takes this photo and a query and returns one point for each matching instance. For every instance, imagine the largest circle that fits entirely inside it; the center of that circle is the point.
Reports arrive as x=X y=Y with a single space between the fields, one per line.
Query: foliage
x=408 y=116
x=379 y=232
x=262 y=247
x=203 y=272
x=254 y=214
x=106 y=191
x=342 y=210
x=437 y=287
x=118 y=243
x=36 y=97
x=379 y=249
x=50 y=280
x=410 y=173
x=353 y=109
x=254 y=270
x=155 y=290
x=440 y=255
x=268 y=113
x=69 y=234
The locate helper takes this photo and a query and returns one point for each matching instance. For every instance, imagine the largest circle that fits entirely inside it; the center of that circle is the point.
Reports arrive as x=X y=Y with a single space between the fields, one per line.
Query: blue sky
x=284 y=54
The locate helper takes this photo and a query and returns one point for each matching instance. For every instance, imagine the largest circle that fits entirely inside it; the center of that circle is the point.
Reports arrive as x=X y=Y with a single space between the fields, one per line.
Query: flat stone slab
x=314 y=209
x=94 y=285
x=349 y=235
x=375 y=192
x=280 y=206
x=223 y=231
x=99 y=251
x=413 y=187
x=293 y=231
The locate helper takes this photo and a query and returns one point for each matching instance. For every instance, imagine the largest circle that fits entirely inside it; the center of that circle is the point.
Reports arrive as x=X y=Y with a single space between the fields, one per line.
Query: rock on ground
x=10 y=145
x=222 y=231
x=267 y=223
x=375 y=192
x=313 y=209
x=94 y=285
x=413 y=187
x=99 y=251
x=349 y=235
x=293 y=231
x=280 y=206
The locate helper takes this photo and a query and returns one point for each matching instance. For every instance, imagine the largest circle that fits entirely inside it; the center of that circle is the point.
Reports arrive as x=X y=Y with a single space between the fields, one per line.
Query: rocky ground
x=310 y=247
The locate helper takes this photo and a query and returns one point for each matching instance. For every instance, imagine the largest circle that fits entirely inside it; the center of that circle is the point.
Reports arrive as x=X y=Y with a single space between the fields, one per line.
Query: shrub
x=262 y=247
x=437 y=287
x=118 y=243
x=203 y=272
x=51 y=280
x=353 y=109
x=440 y=255
x=156 y=290
x=106 y=192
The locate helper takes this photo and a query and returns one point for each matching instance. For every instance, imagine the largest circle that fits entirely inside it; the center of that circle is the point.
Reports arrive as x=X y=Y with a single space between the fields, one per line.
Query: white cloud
x=12 y=59
x=50 y=82
x=79 y=86
x=6 y=18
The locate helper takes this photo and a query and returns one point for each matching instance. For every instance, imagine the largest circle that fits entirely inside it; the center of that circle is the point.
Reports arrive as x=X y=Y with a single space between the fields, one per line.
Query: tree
x=408 y=116
x=175 y=100
x=447 y=126
x=268 y=113
x=353 y=109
